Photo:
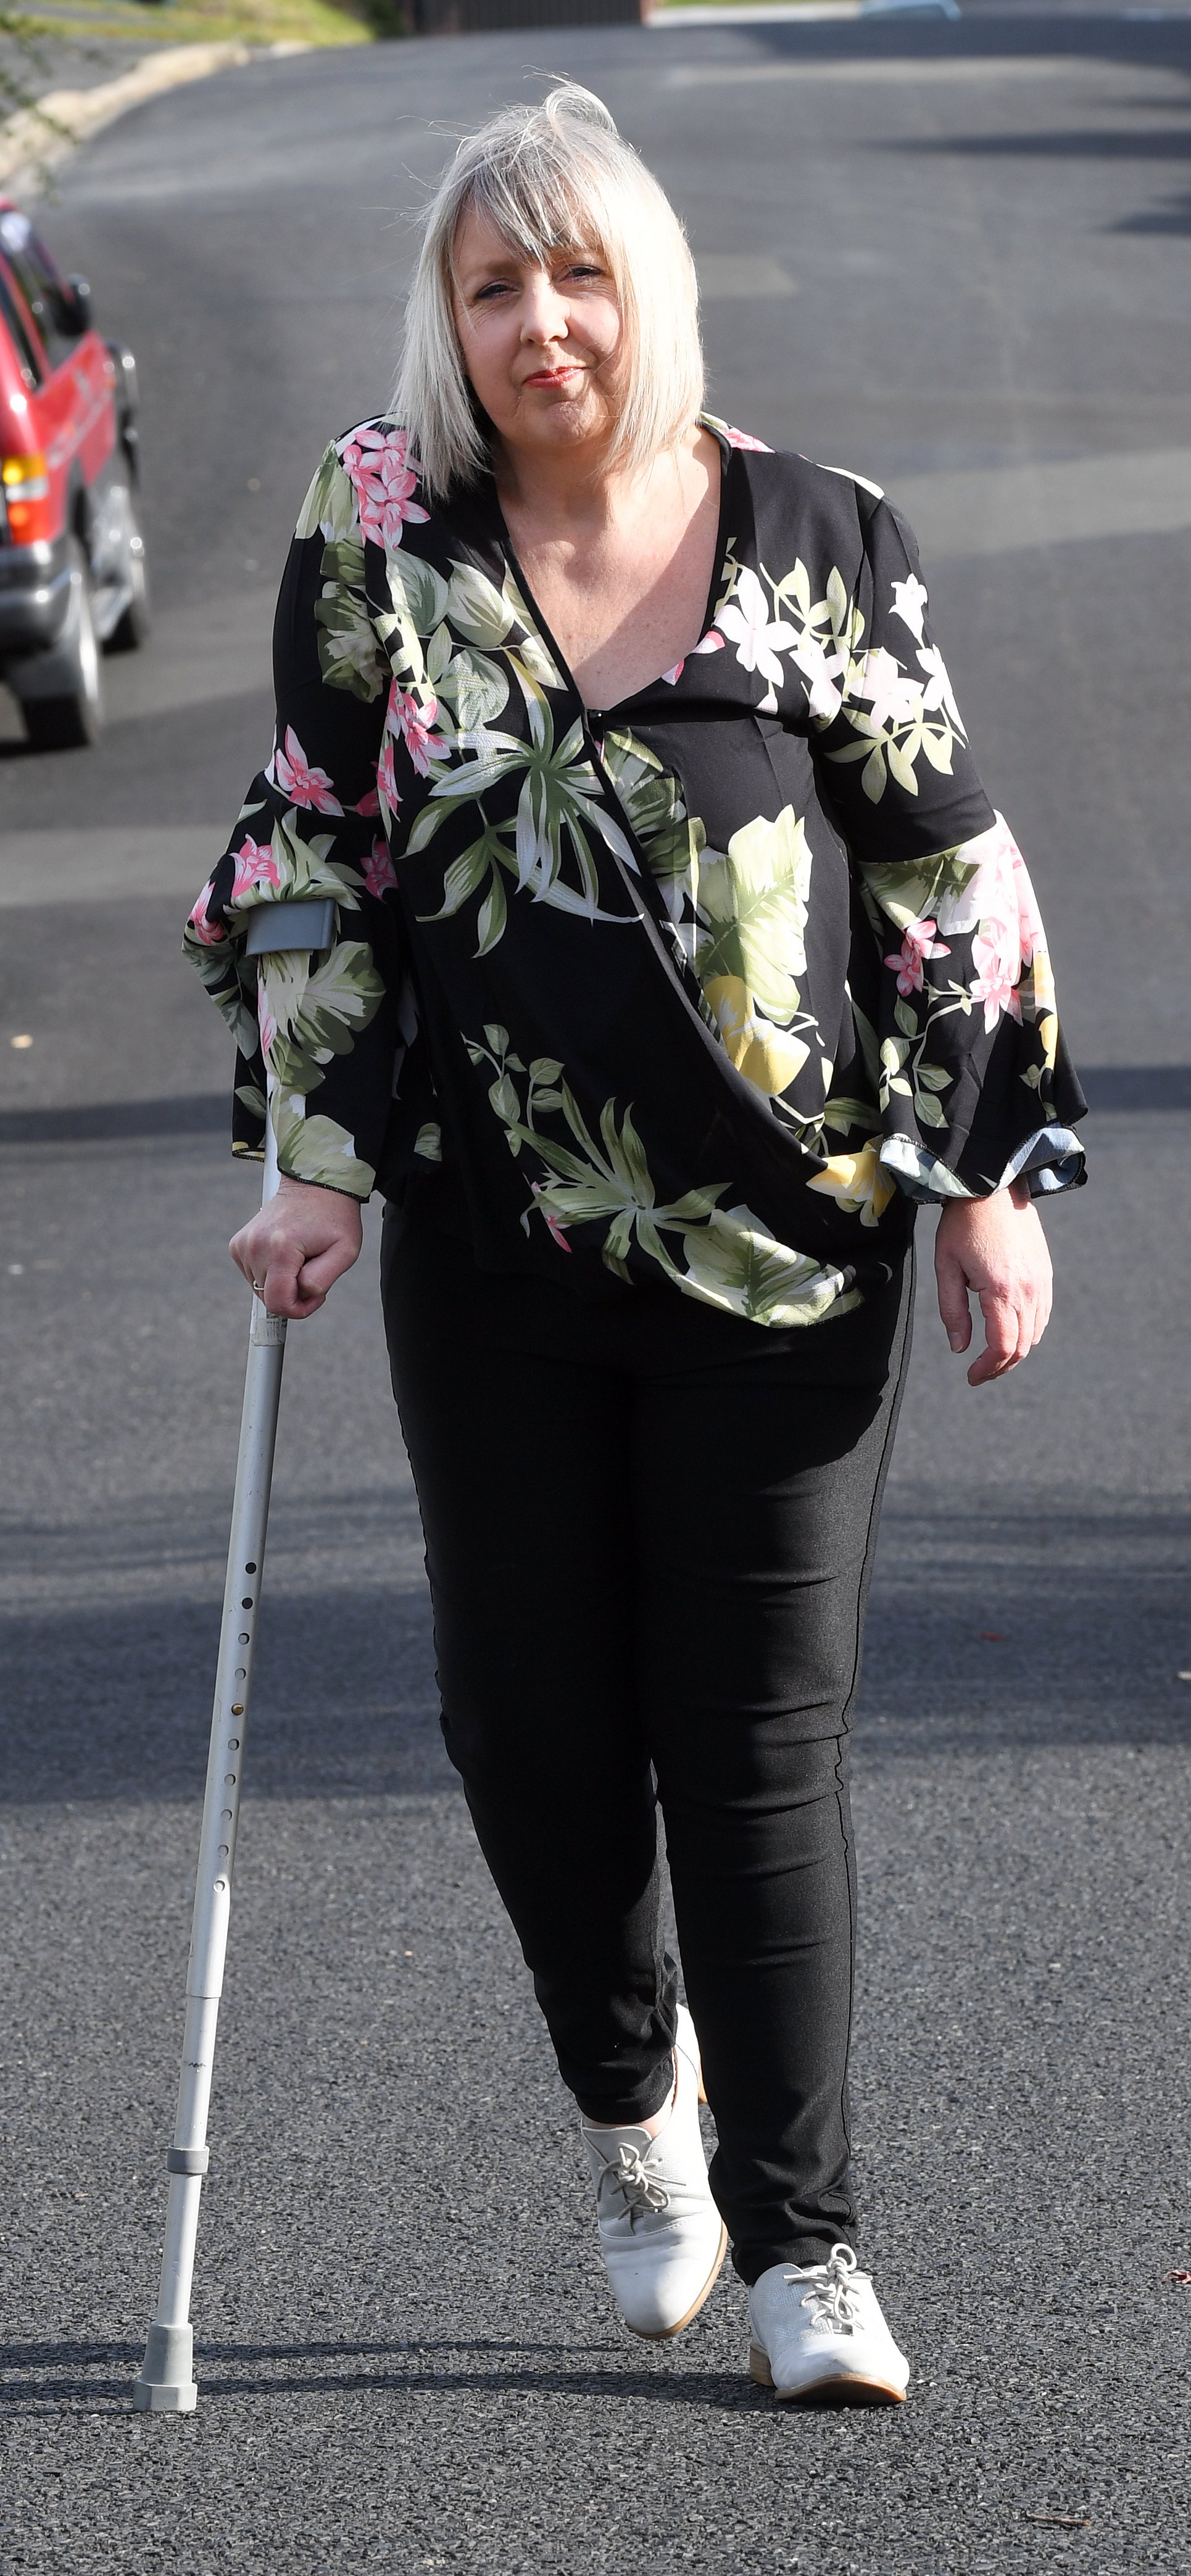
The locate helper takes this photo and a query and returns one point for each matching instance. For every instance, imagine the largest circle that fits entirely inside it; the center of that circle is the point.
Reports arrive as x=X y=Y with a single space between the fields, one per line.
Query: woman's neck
x=573 y=493
x=619 y=564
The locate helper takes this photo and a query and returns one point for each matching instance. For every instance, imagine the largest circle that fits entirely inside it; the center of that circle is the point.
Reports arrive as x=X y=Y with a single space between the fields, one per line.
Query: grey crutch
x=167 y=2383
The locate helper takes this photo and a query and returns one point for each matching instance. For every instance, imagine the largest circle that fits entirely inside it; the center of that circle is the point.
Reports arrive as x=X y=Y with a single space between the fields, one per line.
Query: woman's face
x=540 y=342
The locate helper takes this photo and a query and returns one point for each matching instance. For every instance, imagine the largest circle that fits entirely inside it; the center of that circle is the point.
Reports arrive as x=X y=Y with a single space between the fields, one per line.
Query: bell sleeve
x=973 y=1080
x=324 y=1027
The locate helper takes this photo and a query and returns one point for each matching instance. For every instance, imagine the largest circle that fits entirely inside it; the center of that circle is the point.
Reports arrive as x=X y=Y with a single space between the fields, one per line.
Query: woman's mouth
x=549 y=377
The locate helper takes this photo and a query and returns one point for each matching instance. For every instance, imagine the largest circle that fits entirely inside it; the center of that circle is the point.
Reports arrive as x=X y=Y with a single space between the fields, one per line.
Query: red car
x=72 y=559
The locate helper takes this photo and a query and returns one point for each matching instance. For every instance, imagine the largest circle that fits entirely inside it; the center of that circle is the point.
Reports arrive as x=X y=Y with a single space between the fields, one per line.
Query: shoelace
x=830 y=2293
x=628 y=2173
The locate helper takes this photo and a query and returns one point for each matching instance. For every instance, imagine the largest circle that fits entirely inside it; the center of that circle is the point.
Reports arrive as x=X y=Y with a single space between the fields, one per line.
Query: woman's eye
x=488 y=294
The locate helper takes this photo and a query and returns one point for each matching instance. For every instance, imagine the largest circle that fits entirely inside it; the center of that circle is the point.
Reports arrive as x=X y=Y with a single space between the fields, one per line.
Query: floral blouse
x=709 y=985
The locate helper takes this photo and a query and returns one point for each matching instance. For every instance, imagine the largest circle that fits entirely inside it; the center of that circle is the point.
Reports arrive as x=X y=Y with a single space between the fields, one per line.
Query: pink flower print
x=1029 y=920
x=384 y=477
x=291 y=772
x=414 y=726
x=368 y=805
x=210 y=932
x=265 y=1022
x=255 y=865
x=385 y=779
x=379 y=874
x=552 y=1221
x=918 y=941
x=740 y=438
x=996 y=956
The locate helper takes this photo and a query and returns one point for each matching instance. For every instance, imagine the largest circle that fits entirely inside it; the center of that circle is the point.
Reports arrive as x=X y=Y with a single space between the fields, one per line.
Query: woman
x=678 y=953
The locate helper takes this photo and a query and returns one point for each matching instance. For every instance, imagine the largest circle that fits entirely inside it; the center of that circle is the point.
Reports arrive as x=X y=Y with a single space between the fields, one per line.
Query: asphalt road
x=955 y=258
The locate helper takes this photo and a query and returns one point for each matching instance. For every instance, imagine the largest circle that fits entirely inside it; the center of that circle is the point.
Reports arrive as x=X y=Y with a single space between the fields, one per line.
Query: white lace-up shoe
x=818 y=2332
x=661 y=2235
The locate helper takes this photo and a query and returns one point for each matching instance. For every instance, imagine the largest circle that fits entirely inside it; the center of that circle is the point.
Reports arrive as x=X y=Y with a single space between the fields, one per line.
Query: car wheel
x=132 y=626
x=73 y=716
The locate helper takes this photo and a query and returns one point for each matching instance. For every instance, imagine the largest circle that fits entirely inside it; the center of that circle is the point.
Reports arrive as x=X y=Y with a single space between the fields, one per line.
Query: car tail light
x=26 y=486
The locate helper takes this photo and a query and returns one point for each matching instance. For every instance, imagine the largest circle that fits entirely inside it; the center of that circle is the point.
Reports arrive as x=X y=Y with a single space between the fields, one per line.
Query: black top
x=709 y=984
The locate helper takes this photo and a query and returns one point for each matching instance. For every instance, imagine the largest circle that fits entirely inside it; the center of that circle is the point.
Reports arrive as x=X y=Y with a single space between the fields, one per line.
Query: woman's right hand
x=297 y=1245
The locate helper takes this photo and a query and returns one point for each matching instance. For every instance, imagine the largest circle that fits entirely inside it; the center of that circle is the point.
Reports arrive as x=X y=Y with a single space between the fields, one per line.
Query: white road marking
x=1002 y=509
x=905 y=71
x=756 y=13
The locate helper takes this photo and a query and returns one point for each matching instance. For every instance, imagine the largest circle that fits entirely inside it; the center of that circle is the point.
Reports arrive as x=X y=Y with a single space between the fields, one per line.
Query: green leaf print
x=492 y=917
x=466 y=873
x=754 y=898
x=330 y=504
x=476 y=687
x=348 y=651
x=319 y=1014
x=343 y=562
x=531 y=646
x=672 y=840
x=475 y=607
x=305 y=868
x=844 y=1114
x=558 y=815
x=913 y=889
x=417 y=591
x=731 y=1261
x=318 y=1149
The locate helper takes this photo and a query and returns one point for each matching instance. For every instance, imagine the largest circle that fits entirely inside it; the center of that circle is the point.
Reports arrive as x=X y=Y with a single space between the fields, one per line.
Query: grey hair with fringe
x=553 y=177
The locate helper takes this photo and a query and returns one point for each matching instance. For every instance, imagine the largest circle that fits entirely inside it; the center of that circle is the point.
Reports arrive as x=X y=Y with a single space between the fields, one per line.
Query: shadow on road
x=1065 y=1631
x=548 y=2370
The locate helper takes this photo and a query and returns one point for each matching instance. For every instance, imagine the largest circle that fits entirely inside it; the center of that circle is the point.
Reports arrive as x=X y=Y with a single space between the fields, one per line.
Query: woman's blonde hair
x=553 y=177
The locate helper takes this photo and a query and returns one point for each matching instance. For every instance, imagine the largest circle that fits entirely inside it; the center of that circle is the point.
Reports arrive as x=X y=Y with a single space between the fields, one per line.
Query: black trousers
x=649 y=1530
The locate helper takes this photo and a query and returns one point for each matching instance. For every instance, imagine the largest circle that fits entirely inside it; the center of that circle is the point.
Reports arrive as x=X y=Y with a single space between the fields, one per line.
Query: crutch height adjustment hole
x=246 y=1604
x=242 y=1639
x=237 y=1708
x=233 y=1744
x=250 y=1569
x=241 y=1672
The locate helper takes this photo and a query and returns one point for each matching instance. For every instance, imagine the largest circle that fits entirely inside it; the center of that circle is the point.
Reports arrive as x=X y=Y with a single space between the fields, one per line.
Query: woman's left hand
x=995 y=1246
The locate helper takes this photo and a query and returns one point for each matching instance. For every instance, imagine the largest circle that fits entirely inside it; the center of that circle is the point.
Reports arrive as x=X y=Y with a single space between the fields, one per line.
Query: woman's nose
x=544 y=312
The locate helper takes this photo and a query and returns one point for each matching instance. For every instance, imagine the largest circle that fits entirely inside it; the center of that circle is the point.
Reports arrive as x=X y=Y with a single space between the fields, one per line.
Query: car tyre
x=70 y=720
x=132 y=626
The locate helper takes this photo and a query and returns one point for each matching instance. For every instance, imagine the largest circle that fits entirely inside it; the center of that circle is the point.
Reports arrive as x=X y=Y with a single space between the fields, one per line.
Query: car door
x=75 y=408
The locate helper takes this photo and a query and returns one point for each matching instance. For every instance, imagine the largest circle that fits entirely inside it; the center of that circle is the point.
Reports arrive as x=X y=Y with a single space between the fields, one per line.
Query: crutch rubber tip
x=167 y=2383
